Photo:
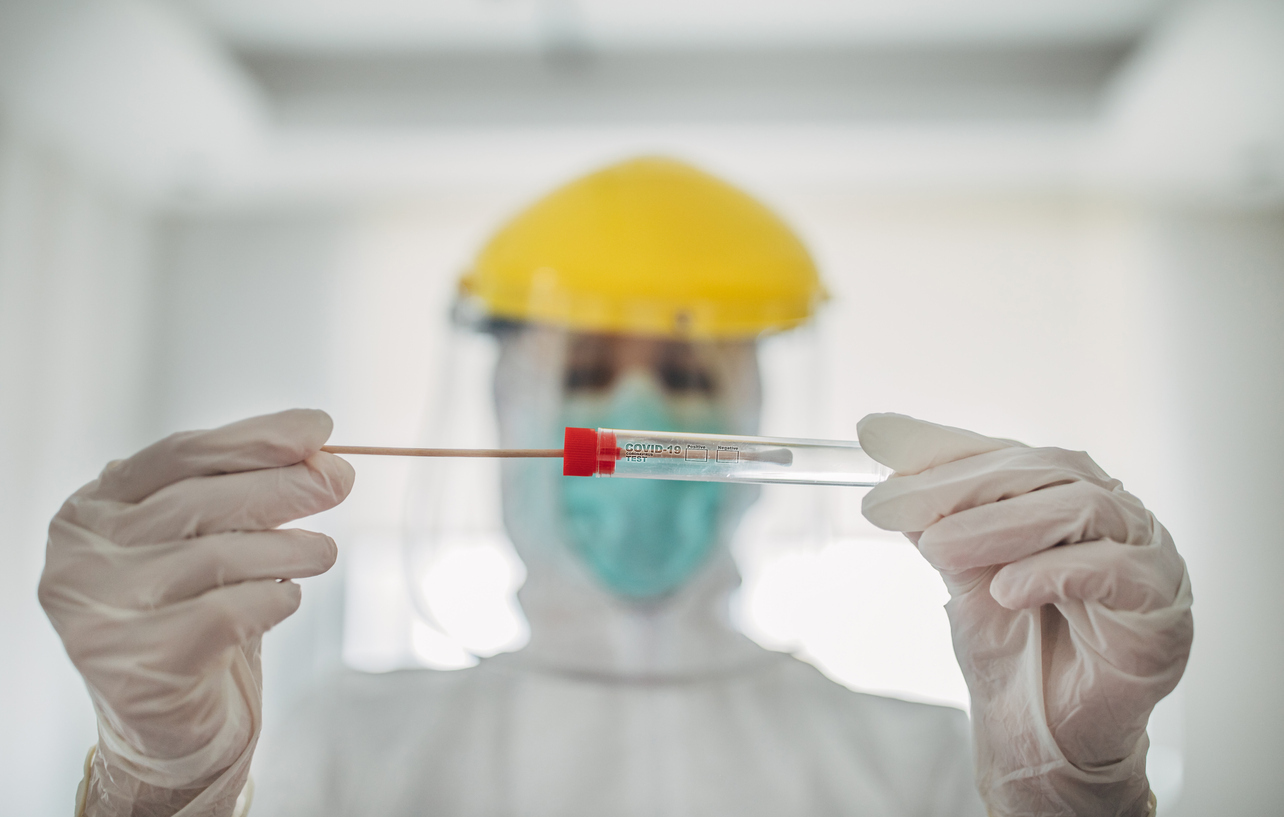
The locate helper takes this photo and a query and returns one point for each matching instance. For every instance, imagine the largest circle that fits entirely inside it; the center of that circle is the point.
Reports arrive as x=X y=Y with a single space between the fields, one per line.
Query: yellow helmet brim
x=652 y=247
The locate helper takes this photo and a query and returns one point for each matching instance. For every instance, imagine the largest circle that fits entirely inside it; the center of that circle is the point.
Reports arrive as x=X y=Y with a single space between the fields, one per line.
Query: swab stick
x=384 y=451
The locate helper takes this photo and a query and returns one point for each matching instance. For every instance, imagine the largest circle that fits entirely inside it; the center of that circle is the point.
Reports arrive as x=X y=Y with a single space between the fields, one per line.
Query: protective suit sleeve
x=243 y=801
x=1069 y=608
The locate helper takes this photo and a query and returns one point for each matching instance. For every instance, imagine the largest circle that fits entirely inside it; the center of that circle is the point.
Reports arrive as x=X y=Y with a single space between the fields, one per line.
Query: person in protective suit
x=631 y=298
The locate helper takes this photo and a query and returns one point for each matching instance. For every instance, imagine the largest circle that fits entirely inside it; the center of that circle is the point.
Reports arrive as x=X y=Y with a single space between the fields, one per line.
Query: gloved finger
x=145 y=577
x=230 y=558
x=268 y=441
x=1120 y=576
x=232 y=615
x=249 y=500
x=910 y=446
x=127 y=647
x=918 y=501
x=1001 y=532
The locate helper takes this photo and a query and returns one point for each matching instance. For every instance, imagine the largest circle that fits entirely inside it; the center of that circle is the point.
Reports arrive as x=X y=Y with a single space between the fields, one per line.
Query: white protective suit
x=611 y=711
x=613 y=708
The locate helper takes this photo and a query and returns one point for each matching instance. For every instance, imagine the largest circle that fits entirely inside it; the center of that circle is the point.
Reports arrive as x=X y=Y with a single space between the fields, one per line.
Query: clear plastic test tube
x=615 y=452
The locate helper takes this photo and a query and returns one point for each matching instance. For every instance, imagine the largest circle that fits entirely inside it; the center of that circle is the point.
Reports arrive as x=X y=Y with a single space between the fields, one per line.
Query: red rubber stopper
x=579 y=452
x=607 y=452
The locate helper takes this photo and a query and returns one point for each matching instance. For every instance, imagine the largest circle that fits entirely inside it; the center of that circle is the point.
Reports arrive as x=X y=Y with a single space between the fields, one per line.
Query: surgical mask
x=641 y=538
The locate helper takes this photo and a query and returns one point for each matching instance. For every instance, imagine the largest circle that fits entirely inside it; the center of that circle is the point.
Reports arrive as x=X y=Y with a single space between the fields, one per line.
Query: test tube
x=615 y=452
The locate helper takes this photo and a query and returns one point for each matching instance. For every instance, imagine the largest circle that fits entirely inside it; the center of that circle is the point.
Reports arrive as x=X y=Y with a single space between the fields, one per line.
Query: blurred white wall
x=76 y=353
x=131 y=90
x=1224 y=305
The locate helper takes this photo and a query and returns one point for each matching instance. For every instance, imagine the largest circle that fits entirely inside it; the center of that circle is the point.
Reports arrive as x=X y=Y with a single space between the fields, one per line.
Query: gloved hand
x=1069 y=607
x=161 y=576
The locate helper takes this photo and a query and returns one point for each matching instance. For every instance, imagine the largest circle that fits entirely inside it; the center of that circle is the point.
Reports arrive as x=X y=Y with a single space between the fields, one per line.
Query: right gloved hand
x=1070 y=609
x=161 y=576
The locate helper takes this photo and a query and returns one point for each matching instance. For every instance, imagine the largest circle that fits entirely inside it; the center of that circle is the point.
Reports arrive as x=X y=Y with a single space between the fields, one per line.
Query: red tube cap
x=579 y=452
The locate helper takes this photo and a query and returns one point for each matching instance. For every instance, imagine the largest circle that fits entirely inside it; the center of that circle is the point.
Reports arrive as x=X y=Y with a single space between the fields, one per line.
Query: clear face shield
x=504 y=521
x=520 y=386
x=634 y=297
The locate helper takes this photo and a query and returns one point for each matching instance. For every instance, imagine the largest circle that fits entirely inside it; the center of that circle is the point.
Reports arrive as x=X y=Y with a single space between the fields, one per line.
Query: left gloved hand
x=1069 y=606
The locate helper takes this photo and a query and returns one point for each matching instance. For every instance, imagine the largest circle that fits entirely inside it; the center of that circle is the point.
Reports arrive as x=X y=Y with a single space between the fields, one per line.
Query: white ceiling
x=751 y=86
x=373 y=24
x=237 y=101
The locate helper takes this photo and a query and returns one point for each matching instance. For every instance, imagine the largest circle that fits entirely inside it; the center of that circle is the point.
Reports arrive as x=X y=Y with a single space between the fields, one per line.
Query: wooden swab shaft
x=442 y=452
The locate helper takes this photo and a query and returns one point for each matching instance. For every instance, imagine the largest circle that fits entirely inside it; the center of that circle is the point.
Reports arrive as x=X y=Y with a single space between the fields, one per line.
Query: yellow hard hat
x=650 y=246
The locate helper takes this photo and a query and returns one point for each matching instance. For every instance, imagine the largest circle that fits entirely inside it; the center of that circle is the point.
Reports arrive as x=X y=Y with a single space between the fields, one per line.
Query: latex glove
x=1069 y=607
x=161 y=576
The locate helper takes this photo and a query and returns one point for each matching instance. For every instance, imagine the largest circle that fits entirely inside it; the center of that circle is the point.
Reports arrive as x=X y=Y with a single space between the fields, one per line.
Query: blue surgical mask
x=641 y=538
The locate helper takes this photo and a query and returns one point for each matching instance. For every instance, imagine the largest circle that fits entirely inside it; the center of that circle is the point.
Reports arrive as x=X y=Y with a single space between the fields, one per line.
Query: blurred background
x=1061 y=222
